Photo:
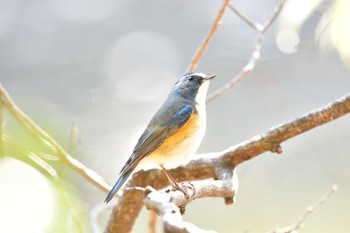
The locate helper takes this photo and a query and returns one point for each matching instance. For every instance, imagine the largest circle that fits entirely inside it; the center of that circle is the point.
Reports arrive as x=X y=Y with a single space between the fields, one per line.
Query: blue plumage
x=186 y=98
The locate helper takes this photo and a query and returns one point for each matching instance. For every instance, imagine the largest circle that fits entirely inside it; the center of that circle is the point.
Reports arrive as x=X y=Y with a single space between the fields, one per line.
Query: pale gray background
x=108 y=65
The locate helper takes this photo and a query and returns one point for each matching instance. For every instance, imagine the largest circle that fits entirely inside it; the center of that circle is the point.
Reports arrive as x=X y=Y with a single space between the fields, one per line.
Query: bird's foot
x=186 y=188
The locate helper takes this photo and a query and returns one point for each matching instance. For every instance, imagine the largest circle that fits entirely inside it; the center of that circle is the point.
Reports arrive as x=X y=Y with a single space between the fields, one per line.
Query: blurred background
x=108 y=65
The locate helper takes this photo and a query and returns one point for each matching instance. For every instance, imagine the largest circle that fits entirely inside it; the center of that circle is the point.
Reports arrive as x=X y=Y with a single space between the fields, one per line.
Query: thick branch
x=210 y=165
x=166 y=204
x=152 y=222
x=170 y=204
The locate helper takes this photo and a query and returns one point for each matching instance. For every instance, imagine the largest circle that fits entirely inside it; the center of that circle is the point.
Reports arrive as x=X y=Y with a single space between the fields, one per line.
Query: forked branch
x=212 y=165
x=255 y=55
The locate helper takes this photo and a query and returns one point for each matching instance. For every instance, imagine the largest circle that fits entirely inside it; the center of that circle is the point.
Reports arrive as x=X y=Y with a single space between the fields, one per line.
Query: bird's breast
x=182 y=144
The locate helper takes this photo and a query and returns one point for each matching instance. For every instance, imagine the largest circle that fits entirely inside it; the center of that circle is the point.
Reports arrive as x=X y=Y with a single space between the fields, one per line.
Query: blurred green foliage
x=29 y=146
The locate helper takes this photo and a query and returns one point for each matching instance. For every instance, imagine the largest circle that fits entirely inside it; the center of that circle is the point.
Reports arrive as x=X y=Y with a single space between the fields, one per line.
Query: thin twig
x=311 y=209
x=73 y=140
x=316 y=205
x=50 y=143
x=42 y=164
x=256 y=26
x=200 y=51
x=248 y=68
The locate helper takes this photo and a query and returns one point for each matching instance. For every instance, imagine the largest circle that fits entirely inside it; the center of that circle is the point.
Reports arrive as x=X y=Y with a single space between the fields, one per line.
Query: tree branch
x=250 y=23
x=311 y=209
x=162 y=202
x=50 y=143
x=200 y=51
x=248 y=68
x=214 y=165
x=152 y=222
x=170 y=204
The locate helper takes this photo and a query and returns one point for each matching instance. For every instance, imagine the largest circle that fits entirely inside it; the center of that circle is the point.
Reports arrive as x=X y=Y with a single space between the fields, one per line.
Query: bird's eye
x=191 y=78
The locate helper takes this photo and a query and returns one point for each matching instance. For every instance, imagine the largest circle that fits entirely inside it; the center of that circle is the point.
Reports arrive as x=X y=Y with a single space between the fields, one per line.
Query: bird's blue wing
x=180 y=118
x=165 y=123
x=162 y=125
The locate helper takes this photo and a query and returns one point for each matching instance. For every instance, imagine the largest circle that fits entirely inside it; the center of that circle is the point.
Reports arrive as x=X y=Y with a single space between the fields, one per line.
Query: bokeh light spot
x=26 y=198
x=287 y=41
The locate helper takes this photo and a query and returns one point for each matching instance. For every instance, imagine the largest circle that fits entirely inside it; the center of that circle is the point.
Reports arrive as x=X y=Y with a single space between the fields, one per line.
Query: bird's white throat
x=202 y=94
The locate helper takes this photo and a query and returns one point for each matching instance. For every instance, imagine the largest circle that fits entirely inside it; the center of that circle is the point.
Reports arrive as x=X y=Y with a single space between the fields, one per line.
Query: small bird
x=175 y=131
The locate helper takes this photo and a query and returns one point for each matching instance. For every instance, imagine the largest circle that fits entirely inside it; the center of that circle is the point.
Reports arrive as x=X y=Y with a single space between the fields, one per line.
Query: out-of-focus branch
x=49 y=142
x=1 y=135
x=152 y=222
x=311 y=209
x=211 y=165
x=200 y=51
x=248 y=68
x=250 y=23
x=73 y=140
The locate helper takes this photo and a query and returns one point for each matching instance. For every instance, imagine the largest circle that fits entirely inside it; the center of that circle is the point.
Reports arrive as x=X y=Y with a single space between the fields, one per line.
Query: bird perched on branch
x=175 y=131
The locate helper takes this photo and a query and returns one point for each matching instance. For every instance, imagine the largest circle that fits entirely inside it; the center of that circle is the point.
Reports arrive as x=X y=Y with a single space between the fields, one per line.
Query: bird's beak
x=210 y=77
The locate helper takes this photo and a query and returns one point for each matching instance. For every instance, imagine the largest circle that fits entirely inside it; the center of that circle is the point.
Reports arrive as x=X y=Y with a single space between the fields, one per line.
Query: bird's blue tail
x=117 y=186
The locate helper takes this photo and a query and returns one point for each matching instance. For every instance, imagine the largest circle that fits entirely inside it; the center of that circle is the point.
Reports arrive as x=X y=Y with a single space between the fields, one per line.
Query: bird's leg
x=176 y=186
x=171 y=179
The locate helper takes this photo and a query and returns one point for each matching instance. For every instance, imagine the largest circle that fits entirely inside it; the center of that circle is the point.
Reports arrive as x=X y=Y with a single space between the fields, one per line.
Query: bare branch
x=95 y=213
x=162 y=202
x=311 y=209
x=170 y=204
x=248 y=68
x=73 y=140
x=250 y=23
x=50 y=143
x=124 y=214
x=152 y=221
x=212 y=165
x=200 y=51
